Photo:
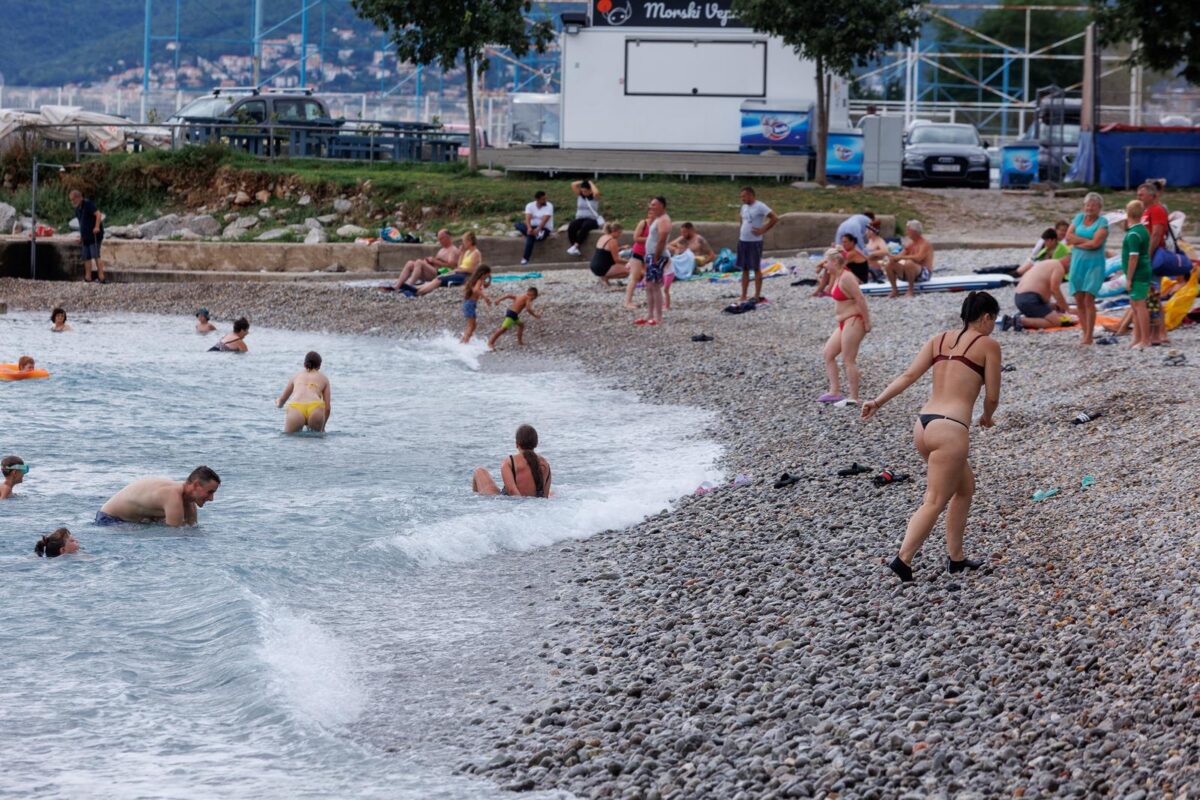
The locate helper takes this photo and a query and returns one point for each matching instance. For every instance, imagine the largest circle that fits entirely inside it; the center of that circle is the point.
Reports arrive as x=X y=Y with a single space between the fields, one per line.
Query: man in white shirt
x=539 y=222
x=757 y=218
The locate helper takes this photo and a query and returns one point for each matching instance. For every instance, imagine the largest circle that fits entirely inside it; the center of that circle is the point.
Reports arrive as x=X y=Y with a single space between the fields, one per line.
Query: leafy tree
x=837 y=37
x=442 y=31
x=1167 y=33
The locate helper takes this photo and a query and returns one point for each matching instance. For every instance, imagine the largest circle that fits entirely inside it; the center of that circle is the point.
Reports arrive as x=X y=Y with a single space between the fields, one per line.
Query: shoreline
x=750 y=642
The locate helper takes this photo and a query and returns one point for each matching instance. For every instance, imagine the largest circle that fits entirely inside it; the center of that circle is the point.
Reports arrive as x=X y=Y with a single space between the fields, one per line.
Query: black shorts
x=455 y=278
x=1031 y=304
x=860 y=271
x=749 y=256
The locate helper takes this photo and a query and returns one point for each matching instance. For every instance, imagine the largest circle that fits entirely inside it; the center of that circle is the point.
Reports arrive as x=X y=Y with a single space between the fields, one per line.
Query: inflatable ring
x=9 y=372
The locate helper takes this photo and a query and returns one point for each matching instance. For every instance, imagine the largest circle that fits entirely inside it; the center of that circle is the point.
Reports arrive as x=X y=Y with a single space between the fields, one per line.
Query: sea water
x=345 y=606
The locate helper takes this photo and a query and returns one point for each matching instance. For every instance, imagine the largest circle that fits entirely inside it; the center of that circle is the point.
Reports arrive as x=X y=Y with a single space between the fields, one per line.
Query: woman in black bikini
x=233 y=342
x=525 y=474
x=970 y=361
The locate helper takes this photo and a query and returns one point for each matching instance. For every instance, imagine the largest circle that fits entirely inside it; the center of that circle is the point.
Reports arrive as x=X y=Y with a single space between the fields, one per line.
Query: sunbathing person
x=172 y=503
x=1039 y=299
x=310 y=406
x=853 y=260
x=59 y=543
x=915 y=262
x=877 y=253
x=526 y=476
x=469 y=258
x=607 y=264
x=962 y=362
x=689 y=239
x=1051 y=245
x=13 y=470
x=420 y=270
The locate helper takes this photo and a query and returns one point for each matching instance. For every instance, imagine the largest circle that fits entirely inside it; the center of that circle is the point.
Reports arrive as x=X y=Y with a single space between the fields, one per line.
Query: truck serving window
x=696 y=67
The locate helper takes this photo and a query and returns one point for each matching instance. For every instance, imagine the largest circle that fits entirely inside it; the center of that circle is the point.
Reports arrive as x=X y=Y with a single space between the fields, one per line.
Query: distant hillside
x=55 y=42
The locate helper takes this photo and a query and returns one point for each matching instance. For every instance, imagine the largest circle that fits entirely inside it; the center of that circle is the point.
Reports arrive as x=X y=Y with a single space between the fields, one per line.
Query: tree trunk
x=473 y=156
x=822 y=121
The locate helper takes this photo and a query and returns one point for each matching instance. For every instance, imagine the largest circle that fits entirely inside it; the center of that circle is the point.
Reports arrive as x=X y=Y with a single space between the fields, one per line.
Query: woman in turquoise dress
x=1086 y=237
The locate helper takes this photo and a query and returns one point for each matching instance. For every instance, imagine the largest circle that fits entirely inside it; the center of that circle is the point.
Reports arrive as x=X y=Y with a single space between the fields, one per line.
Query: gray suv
x=251 y=106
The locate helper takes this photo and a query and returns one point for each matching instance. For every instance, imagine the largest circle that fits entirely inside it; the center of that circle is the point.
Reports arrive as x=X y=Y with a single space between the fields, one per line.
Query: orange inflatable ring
x=9 y=372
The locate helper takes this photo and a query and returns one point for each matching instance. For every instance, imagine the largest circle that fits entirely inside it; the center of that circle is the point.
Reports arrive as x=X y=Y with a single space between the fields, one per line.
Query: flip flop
x=830 y=398
x=887 y=476
x=702 y=337
x=854 y=469
x=786 y=480
x=1044 y=494
x=1008 y=368
x=1107 y=340
x=1087 y=482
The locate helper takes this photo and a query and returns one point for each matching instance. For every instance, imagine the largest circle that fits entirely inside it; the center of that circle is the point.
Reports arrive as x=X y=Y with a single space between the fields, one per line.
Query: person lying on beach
x=172 y=503
x=1039 y=299
x=233 y=342
x=853 y=323
x=474 y=290
x=1051 y=245
x=526 y=476
x=58 y=320
x=310 y=406
x=512 y=317
x=59 y=543
x=202 y=322
x=13 y=470
x=962 y=362
x=915 y=262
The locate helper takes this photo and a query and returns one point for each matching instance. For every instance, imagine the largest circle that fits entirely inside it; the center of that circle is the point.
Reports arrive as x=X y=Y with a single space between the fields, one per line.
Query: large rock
x=162 y=228
x=313 y=224
x=316 y=236
x=327 y=219
x=8 y=215
x=272 y=235
x=305 y=200
x=352 y=231
x=204 y=224
x=266 y=213
x=123 y=232
x=242 y=199
x=262 y=196
x=239 y=226
x=342 y=205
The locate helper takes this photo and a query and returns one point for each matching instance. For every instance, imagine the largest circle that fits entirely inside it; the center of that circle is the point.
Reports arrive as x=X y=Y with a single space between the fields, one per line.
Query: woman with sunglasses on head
x=13 y=470
x=962 y=362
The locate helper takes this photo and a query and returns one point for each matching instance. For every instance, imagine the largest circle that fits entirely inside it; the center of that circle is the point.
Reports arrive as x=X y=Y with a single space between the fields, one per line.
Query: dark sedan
x=937 y=154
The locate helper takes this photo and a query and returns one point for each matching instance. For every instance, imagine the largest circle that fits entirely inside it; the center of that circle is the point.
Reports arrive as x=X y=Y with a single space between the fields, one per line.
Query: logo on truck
x=615 y=15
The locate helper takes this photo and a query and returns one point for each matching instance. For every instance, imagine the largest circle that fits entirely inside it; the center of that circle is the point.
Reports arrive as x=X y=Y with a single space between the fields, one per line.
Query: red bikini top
x=837 y=293
x=960 y=358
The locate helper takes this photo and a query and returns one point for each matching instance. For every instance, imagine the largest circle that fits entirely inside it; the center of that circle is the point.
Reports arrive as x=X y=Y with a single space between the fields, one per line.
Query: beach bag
x=726 y=261
x=1169 y=259
x=684 y=265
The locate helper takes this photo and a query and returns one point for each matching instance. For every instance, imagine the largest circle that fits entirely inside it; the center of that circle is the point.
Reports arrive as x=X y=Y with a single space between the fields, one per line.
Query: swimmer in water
x=512 y=317
x=524 y=474
x=59 y=543
x=13 y=470
x=310 y=406
x=26 y=364
x=58 y=318
x=172 y=503
x=962 y=363
x=202 y=322
x=233 y=342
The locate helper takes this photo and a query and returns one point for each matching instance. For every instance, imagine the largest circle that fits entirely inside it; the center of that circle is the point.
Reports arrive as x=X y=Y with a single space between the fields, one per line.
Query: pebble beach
x=750 y=642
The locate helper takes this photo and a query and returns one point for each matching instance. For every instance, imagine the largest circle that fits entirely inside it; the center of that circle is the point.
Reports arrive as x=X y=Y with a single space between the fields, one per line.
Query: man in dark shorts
x=1039 y=299
x=757 y=218
x=91 y=234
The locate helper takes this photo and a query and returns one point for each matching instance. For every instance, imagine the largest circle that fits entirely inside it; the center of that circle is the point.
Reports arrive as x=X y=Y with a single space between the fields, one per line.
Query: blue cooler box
x=844 y=157
x=782 y=127
x=1018 y=165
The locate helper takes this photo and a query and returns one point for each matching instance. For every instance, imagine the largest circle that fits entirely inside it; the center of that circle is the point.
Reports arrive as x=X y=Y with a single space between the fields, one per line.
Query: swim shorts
x=108 y=519
x=456 y=278
x=1031 y=304
x=749 y=256
x=924 y=275
x=469 y=308
x=1154 y=302
x=654 y=269
x=510 y=320
x=1139 y=290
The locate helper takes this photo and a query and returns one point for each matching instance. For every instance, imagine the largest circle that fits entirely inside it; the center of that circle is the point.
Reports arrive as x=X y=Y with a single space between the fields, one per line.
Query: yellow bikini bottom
x=306 y=408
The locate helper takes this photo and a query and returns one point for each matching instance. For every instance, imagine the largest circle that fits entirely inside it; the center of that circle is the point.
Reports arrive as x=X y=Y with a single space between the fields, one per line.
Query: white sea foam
x=312 y=668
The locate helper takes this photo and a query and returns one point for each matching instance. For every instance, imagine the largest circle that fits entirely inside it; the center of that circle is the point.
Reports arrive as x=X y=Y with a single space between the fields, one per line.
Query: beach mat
x=945 y=283
x=1100 y=320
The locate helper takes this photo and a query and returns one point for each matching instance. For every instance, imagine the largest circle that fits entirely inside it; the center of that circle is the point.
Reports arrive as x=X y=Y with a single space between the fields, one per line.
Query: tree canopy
x=1167 y=33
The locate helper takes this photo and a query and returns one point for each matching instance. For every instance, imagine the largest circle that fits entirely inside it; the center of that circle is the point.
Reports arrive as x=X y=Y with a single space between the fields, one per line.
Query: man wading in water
x=161 y=500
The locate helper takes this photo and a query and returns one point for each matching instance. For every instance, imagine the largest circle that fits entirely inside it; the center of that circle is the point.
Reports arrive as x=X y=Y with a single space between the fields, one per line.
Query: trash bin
x=844 y=157
x=779 y=126
x=1018 y=165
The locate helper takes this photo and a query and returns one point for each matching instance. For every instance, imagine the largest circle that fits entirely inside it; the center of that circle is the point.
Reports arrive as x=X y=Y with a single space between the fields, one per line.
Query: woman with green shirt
x=1086 y=236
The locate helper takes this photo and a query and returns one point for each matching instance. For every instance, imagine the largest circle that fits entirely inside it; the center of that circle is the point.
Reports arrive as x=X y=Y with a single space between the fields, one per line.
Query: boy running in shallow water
x=473 y=292
x=512 y=317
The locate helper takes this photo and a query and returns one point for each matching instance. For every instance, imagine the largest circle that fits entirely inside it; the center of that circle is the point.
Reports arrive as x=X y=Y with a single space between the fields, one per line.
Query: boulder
x=122 y=232
x=313 y=224
x=316 y=236
x=231 y=216
x=162 y=227
x=242 y=199
x=8 y=215
x=262 y=196
x=352 y=231
x=327 y=219
x=305 y=200
x=342 y=205
x=235 y=229
x=272 y=235
x=266 y=213
x=204 y=224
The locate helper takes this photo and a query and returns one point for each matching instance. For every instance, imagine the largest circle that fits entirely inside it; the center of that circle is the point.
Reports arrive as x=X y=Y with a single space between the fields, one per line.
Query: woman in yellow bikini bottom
x=311 y=407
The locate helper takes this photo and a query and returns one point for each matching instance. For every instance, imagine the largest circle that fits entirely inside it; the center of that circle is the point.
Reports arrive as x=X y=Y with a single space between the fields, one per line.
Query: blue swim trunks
x=108 y=519
x=469 y=308
x=654 y=269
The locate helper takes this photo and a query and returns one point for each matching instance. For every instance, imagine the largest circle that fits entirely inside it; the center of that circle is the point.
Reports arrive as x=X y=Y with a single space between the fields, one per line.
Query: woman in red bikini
x=963 y=362
x=854 y=322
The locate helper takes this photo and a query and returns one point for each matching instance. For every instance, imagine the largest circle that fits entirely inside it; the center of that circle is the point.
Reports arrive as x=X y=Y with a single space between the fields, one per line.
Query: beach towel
x=726 y=261
x=776 y=270
x=516 y=276
x=1100 y=320
x=684 y=265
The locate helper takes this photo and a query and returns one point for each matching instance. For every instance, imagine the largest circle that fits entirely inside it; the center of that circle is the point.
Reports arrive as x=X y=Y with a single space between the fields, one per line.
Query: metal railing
x=326 y=139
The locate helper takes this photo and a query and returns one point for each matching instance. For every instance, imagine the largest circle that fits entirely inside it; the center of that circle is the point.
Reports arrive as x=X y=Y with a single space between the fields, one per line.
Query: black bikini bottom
x=928 y=418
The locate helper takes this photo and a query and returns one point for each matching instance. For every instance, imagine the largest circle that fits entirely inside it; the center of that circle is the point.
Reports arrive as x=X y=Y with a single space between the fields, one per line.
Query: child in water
x=202 y=323
x=13 y=470
x=26 y=364
x=59 y=543
x=473 y=292
x=512 y=317
x=59 y=319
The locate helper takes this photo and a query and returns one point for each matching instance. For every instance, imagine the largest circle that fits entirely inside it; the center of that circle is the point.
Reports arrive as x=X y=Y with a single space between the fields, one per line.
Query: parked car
x=945 y=154
x=250 y=106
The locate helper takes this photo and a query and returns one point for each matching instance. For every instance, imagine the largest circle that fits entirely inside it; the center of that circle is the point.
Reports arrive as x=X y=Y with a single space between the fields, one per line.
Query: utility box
x=883 y=150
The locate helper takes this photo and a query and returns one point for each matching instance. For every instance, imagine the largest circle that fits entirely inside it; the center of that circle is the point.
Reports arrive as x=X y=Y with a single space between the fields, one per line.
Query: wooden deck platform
x=552 y=161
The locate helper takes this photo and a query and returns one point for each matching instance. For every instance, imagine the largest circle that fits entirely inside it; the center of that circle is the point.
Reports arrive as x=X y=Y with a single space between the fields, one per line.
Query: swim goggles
x=21 y=468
